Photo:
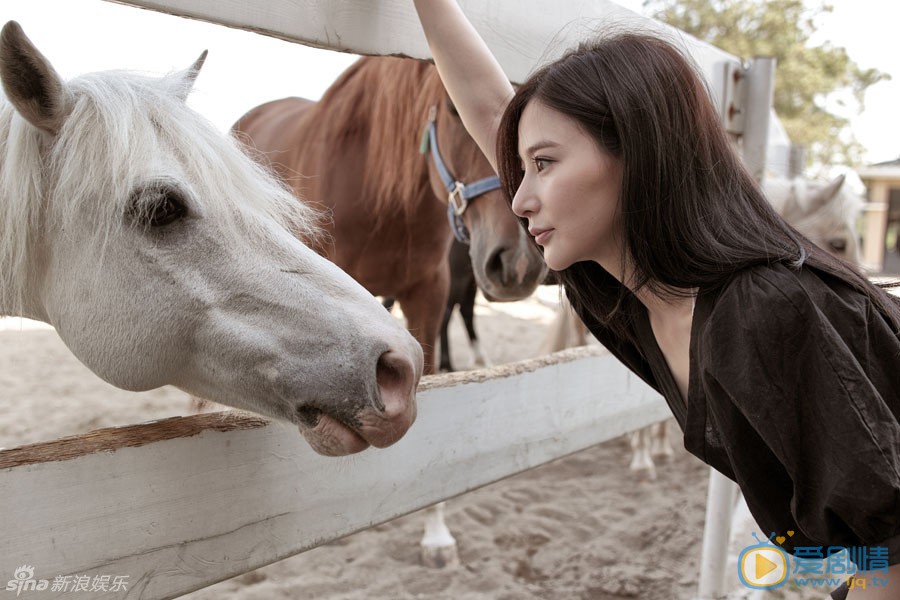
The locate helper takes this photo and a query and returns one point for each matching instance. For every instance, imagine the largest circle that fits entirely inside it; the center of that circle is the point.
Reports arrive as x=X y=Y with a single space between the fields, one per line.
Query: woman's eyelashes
x=541 y=163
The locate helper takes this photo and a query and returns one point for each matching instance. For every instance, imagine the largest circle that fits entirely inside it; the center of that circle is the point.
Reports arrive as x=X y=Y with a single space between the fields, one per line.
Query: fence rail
x=521 y=33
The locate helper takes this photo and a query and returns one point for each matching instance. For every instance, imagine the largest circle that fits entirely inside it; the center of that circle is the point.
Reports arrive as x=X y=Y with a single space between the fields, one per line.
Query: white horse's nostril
x=395 y=377
x=309 y=415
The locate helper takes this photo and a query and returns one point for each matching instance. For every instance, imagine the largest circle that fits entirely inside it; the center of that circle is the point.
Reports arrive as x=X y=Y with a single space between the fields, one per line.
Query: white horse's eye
x=838 y=244
x=157 y=206
x=166 y=209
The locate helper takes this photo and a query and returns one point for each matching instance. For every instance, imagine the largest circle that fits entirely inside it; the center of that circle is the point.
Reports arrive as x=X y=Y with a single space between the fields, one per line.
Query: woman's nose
x=524 y=202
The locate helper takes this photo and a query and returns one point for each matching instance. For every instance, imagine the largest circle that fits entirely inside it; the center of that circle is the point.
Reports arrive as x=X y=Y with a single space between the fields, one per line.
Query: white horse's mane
x=120 y=125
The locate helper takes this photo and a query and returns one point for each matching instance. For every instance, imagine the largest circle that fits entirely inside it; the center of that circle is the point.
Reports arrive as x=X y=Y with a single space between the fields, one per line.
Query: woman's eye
x=540 y=163
x=167 y=209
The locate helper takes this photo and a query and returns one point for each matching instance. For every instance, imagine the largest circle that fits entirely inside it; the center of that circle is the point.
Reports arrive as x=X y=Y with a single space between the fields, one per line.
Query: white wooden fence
x=180 y=504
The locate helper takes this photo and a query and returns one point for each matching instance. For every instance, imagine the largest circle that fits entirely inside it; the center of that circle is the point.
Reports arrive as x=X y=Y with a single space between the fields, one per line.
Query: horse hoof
x=440 y=557
x=666 y=454
x=644 y=473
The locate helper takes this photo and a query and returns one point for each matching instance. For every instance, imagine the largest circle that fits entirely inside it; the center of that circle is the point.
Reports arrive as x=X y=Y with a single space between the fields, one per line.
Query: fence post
x=754 y=103
x=760 y=88
x=720 y=501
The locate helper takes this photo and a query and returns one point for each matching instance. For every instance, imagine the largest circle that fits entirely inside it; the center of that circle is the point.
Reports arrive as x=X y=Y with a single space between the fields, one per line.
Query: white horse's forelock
x=120 y=122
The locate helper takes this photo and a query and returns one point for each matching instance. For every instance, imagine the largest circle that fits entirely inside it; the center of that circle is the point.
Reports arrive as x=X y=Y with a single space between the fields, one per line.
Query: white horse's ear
x=32 y=85
x=822 y=196
x=832 y=189
x=189 y=76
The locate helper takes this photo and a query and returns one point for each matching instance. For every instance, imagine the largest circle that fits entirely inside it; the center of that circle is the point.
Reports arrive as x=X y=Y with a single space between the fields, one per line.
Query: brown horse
x=357 y=154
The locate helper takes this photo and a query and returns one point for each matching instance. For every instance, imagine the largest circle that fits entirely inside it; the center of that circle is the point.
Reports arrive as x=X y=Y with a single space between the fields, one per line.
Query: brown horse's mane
x=387 y=100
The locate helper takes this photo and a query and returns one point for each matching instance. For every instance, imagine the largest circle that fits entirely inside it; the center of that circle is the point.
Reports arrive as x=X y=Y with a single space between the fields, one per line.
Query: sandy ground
x=583 y=527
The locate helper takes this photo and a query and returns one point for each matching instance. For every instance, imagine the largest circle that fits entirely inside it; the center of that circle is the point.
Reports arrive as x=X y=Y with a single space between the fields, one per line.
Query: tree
x=817 y=88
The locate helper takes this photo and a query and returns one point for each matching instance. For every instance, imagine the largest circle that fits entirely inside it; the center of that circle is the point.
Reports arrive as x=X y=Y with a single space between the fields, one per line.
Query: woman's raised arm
x=477 y=85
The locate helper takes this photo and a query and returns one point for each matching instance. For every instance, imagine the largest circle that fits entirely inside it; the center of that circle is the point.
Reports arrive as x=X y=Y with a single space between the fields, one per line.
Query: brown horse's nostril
x=495 y=268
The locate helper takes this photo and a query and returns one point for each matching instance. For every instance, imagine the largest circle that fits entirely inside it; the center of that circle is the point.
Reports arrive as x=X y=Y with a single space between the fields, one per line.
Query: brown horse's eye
x=166 y=209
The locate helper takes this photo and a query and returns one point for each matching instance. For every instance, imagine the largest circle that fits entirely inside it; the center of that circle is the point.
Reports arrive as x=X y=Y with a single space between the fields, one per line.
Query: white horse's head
x=162 y=255
x=823 y=211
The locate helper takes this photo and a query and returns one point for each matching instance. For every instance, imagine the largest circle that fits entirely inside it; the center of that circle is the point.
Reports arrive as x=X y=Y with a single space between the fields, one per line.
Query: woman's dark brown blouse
x=794 y=393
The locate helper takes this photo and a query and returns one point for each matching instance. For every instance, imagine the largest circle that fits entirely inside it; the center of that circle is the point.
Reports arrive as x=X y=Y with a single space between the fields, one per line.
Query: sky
x=246 y=69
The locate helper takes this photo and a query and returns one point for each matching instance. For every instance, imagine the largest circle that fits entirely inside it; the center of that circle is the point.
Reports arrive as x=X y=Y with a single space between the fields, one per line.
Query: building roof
x=884 y=170
x=889 y=163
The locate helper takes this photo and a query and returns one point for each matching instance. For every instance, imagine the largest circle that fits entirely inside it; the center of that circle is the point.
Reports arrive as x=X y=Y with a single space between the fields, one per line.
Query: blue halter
x=460 y=194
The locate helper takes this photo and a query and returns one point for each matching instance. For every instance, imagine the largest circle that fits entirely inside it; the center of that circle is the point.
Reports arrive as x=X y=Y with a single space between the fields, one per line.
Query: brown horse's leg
x=424 y=307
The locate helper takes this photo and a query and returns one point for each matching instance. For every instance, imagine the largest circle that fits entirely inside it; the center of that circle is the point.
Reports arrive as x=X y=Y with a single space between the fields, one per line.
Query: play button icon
x=764 y=566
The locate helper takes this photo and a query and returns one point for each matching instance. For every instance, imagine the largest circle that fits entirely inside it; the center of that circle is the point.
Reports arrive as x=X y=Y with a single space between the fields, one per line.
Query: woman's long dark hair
x=691 y=214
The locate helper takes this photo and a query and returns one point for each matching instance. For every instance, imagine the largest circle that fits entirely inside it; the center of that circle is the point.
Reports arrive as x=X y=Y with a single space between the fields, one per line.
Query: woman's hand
x=863 y=587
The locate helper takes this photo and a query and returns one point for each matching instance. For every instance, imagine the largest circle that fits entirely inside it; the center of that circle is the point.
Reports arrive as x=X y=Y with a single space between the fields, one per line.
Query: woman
x=780 y=363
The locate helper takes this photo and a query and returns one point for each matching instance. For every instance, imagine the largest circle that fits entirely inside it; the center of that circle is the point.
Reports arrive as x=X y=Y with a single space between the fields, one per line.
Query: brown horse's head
x=506 y=265
x=355 y=154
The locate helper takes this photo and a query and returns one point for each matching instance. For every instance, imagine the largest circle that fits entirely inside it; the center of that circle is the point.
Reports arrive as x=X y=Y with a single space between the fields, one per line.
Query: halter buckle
x=456 y=198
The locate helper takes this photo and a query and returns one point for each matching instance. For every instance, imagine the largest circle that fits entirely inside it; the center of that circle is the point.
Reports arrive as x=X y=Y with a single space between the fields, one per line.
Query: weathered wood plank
x=174 y=513
x=131 y=436
x=521 y=33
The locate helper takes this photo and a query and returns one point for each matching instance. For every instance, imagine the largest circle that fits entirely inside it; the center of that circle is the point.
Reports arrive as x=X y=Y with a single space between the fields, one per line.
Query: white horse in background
x=163 y=255
x=823 y=211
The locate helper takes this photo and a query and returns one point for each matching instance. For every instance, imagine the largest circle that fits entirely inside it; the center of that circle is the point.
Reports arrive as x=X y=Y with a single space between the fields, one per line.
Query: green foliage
x=816 y=87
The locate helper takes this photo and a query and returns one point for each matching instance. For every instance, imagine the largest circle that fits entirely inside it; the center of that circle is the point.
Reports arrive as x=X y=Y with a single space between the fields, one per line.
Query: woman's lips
x=540 y=235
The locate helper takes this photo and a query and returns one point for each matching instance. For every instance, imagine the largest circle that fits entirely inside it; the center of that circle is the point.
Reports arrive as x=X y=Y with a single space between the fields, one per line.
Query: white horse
x=823 y=211
x=163 y=255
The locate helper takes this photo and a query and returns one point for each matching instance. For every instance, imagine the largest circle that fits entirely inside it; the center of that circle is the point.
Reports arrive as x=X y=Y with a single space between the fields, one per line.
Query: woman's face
x=570 y=191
